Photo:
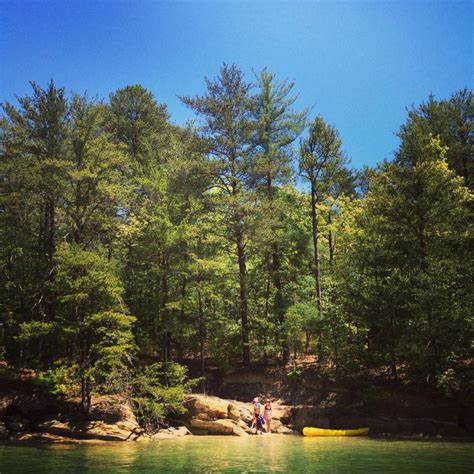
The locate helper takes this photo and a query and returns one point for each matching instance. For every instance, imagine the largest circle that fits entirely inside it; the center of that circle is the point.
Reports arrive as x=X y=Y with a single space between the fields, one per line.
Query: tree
x=34 y=140
x=413 y=260
x=227 y=131
x=92 y=322
x=277 y=127
x=135 y=118
x=96 y=189
x=319 y=162
x=139 y=123
x=449 y=120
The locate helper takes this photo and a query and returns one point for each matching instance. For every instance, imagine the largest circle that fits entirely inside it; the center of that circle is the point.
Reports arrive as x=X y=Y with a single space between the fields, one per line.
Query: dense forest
x=128 y=243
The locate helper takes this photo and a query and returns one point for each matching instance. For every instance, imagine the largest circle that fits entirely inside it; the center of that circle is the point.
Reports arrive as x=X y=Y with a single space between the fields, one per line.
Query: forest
x=243 y=238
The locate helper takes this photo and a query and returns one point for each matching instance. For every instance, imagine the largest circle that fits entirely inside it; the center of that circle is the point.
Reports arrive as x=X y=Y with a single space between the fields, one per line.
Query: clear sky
x=358 y=63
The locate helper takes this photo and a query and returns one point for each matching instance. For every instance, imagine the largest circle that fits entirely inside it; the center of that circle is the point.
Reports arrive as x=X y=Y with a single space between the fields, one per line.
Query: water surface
x=250 y=454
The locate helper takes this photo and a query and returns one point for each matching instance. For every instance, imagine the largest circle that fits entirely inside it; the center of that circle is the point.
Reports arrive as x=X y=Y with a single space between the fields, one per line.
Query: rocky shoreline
x=27 y=414
x=23 y=418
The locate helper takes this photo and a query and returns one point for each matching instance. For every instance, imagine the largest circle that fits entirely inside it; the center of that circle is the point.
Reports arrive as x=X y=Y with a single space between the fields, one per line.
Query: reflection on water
x=250 y=454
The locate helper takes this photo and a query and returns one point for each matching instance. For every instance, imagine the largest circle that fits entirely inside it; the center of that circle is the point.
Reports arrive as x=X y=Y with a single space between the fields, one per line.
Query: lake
x=248 y=454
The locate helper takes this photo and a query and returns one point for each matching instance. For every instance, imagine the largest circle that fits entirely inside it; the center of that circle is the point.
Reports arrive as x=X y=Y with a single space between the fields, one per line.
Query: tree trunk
x=335 y=347
x=86 y=395
x=265 y=315
x=279 y=307
x=202 y=340
x=50 y=302
x=314 y=221
x=85 y=382
x=330 y=238
x=166 y=342
x=243 y=297
x=317 y=275
x=182 y=315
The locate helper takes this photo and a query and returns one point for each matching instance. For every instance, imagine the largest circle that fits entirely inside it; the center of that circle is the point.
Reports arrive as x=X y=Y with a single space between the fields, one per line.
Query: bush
x=157 y=391
x=295 y=373
x=59 y=381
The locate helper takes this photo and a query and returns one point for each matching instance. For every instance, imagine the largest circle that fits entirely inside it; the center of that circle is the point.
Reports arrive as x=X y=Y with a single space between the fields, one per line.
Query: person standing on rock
x=267 y=415
x=257 y=416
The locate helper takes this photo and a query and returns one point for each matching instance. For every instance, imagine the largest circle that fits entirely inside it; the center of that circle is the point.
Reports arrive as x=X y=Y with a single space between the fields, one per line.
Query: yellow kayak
x=324 y=432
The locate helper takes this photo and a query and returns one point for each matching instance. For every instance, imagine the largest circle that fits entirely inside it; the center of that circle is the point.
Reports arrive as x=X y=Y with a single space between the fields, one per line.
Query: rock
x=243 y=410
x=276 y=426
x=198 y=432
x=3 y=431
x=285 y=431
x=309 y=415
x=218 y=427
x=5 y=402
x=112 y=409
x=213 y=415
x=206 y=407
x=182 y=431
x=243 y=425
x=121 y=431
x=17 y=423
x=233 y=412
x=162 y=434
x=279 y=428
x=170 y=433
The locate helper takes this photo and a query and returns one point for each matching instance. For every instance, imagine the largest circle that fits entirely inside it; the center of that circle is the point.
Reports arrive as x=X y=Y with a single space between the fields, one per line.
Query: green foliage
x=158 y=391
x=448 y=382
x=34 y=329
x=320 y=154
x=92 y=314
x=108 y=209
x=60 y=381
x=301 y=319
x=296 y=373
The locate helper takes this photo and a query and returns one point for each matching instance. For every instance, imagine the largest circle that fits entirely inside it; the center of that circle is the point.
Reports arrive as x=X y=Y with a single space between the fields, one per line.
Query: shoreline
x=29 y=415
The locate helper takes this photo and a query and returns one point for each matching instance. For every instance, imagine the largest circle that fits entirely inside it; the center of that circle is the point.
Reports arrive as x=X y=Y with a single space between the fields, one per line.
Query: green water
x=250 y=454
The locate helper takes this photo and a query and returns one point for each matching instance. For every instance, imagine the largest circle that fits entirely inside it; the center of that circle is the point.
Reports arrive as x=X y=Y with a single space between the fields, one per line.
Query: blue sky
x=358 y=63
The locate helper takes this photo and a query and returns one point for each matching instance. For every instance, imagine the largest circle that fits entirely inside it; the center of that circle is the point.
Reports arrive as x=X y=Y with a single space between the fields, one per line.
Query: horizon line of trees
x=123 y=235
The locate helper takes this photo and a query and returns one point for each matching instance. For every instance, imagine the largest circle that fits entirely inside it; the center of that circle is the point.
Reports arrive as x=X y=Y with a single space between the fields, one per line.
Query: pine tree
x=92 y=321
x=277 y=127
x=227 y=131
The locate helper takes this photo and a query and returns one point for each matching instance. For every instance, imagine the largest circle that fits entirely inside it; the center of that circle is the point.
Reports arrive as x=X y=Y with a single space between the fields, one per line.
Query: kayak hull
x=323 y=432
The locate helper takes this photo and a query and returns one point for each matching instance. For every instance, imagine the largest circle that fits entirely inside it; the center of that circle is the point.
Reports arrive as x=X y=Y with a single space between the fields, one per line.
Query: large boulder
x=217 y=427
x=213 y=415
x=111 y=419
x=240 y=410
x=120 y=431
x=206 y=407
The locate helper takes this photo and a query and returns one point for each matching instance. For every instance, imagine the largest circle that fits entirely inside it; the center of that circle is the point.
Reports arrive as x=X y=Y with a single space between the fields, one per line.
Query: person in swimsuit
x=257 y=416
x=267 y=415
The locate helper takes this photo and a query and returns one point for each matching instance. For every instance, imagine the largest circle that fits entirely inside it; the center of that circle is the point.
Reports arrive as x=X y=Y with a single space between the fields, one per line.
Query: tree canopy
x=242 y=237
